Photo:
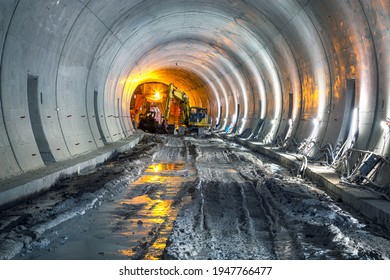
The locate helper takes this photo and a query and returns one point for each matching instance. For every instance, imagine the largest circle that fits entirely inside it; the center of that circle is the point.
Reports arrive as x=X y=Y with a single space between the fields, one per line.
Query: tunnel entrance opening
x=160 y=108
x=149 y=97
x=237 y=117
x=218 y=123
x=259 y=124
x=34 y=101
x=288 y=128
x=349 y=105
x=98 y=123
x=119 y=114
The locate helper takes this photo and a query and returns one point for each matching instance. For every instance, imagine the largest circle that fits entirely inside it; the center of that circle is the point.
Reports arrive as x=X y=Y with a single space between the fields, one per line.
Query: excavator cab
x=198 y=117
x=148 y=122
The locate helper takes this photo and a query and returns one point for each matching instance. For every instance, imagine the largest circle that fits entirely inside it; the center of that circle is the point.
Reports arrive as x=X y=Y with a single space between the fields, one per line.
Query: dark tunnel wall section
x=347 y=116
x=97 y=116
x=35 y=99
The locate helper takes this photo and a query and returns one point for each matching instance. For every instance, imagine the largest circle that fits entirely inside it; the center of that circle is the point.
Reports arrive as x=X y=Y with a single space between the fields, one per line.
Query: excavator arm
x=174 y=92
x=191 y=117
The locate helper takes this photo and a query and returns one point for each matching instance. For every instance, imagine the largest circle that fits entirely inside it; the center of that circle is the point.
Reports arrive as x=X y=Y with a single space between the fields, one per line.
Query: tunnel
x=309 y=77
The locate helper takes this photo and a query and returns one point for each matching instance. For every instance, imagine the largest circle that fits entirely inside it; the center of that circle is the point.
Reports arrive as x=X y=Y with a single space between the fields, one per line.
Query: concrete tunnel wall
x=68 y=69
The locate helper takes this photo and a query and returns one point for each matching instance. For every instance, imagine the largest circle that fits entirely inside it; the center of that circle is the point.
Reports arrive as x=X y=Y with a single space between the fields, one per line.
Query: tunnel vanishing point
x=312 y=77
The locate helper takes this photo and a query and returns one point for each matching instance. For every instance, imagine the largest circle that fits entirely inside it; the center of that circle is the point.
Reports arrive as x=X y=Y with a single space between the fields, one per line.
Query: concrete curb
x=371 y=204
x=19 y=188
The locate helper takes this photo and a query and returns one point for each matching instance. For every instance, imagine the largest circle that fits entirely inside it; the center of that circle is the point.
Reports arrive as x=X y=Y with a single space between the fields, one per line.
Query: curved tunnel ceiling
x=274 y=69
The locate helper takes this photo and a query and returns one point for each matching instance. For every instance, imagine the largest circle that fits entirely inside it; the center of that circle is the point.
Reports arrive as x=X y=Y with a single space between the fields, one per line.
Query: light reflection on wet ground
x=155 y=208
x=170 y=166
x=236 y=207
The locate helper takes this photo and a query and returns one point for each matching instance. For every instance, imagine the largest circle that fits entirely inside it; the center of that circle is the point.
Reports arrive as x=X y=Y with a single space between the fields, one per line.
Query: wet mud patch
x=150 y=208
x=218 y=224
x=188 y=198
x=144 y=215
x=245 y=208
x=317 y=226
x=29 y=222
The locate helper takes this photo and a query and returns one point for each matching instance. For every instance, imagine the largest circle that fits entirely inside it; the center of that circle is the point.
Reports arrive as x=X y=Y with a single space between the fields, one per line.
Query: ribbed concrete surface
x=242 y=58
x=302 y=69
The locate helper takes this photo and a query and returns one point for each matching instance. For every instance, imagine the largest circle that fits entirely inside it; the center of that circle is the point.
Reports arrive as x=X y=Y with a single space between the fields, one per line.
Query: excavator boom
x=190 y=117
x=175 y=93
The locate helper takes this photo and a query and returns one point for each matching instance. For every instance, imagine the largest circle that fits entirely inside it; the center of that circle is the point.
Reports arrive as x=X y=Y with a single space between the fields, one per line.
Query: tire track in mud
x=244 y=209
x=229 y=221
x=237 y=231
x=311 y=226
x=198 y=199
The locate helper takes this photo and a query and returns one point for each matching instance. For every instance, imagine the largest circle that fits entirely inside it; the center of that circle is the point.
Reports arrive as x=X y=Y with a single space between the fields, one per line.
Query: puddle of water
x=168 y=169
x=144 y=199
x=167 y=166
x=153 y=220
x=156 y=249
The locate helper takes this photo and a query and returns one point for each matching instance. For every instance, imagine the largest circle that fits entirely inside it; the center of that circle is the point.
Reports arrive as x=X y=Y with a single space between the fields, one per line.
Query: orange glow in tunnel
x=197 y=90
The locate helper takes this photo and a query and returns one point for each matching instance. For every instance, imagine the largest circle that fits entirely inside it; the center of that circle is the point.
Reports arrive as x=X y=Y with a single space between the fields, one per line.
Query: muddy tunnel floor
x=187 y=198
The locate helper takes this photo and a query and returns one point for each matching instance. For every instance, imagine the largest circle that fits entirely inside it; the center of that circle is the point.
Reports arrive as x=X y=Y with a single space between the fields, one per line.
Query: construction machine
x=148 y=122
x=178 y=115
x=191 y=118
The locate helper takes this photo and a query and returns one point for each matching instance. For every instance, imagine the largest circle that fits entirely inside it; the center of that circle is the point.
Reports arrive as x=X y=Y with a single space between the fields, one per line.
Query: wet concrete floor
x=188 y=198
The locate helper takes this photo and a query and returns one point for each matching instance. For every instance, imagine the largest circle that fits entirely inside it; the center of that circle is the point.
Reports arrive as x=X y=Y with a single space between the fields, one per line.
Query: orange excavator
x=187 y=118
x=191 y=118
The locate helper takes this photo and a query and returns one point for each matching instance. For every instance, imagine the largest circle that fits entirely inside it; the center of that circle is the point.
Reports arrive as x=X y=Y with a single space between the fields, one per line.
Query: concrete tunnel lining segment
x=89 y=56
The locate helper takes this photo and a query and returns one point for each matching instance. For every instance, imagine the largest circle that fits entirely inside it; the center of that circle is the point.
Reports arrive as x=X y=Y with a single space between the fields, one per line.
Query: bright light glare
x=290 y=128
x=384 y=125
x=355 y=122
x=314 y=134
